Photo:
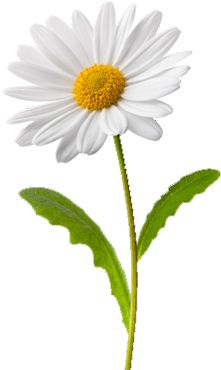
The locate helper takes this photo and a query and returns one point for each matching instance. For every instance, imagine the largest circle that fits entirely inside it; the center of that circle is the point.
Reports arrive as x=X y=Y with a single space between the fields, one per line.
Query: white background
x=56 y=310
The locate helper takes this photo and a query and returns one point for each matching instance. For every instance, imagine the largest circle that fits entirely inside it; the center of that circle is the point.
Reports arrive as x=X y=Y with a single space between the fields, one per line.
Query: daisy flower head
x=95 y=81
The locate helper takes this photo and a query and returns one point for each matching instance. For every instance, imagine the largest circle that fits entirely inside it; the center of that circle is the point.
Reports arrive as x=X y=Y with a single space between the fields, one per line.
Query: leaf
x=59 y=210
x=181 y=192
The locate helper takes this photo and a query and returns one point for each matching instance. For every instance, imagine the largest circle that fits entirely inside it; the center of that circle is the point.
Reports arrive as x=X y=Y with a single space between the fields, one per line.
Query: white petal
x=114 y=122
x=40 y=75
x=47 y=118
x=165 y=63
x=67 y=148
x=55 y=50
x=94 y=138
x=171 y=73
x=68 y=37
x=98 y=143
x=89 y=133
x=45 y=110
x=25 y=137
x=150 y=53
x=84 y=31
x=151 y=89
x=123 y=29
x=144 y=31
x=105 y=34
x=37 y=93
x=154 y=108
x=31 y=54
x=59 y=126
x=174 y=72
x=144 y=126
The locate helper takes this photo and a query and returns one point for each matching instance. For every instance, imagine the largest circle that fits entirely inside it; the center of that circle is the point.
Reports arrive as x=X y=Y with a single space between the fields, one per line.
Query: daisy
x=97 y=81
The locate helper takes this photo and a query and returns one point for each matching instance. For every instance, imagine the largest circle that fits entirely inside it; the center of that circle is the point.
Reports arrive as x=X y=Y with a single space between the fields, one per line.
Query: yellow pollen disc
x=98 y=87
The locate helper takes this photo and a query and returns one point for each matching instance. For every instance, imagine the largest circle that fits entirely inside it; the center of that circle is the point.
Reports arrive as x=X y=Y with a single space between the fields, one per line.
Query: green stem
x=133 y=248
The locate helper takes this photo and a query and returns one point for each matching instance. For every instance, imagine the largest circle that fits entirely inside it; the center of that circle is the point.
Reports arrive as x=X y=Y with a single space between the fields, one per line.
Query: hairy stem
x=133 y=248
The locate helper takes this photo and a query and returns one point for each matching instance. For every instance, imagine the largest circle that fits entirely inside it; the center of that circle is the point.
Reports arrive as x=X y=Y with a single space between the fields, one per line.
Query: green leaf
x=181 y=192
x=59 y=210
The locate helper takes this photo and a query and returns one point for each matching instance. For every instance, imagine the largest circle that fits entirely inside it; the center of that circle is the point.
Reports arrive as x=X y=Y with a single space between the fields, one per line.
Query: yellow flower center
x=98 y=87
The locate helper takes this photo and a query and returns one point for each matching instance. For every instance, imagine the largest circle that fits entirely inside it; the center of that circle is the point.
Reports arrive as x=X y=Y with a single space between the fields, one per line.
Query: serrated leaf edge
x=126 y=324
x=166 y=195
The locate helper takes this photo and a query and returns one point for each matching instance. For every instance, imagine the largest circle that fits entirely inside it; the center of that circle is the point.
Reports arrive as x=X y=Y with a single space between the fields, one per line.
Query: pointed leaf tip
x=181 y=192
x=59 y=210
